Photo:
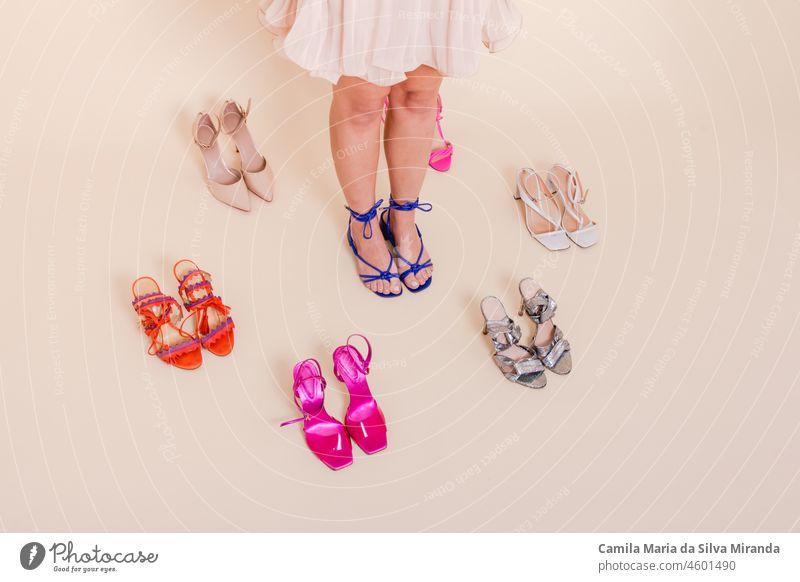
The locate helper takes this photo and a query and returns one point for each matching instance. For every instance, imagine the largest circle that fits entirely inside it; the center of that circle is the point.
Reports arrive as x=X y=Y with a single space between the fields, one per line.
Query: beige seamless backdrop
x=680 y=414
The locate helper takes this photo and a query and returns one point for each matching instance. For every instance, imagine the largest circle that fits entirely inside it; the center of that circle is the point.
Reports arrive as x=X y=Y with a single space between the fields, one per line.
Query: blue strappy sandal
x=413 y=267
x=366 y=219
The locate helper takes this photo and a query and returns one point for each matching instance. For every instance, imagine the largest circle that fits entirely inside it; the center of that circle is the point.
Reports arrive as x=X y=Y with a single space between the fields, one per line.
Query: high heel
x=255 y=169
x=548 y=341
x=213 y=324
x=160 y=316
x=542 y=226
x=224 y=183
x=364 y=419
x=579 y=227
x=517 y=363
x=415 y=266
x=366 y=219
x=440 y=159
x=326 y=437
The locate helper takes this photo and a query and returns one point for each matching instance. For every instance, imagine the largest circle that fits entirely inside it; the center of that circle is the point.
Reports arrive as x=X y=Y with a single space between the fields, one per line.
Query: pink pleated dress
x=380 y=40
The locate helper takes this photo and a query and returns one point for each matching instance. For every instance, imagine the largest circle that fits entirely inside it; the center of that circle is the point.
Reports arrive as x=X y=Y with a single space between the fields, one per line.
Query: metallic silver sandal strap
x=552 y=352
x=541 y=307
x=514 y=369
x=504 y=333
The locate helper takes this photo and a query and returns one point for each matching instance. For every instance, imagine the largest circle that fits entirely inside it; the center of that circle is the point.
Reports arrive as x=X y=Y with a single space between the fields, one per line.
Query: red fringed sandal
x=160 y=316
x=213 y=324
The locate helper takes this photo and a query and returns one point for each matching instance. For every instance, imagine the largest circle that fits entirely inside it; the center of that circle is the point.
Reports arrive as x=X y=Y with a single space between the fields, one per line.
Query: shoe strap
x=575 y=186
x=151 y=323
x=503 y=332
x=552 y=352
x=407 y=206
x=243 y=113
x=298 y=401
x=534 y=202
x=439 y=117
x=366 y=217
x=365 y=361
x=361 y=362
x=214 y=128
x=414 y=267
x=200 y=305
x=383 y=275
x=576 y=194
x=144 y=304
x=188 y=292
x=530 y=364
x=540 y=308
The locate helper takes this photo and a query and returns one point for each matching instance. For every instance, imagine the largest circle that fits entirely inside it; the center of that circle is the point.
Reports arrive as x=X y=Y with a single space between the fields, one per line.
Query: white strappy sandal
x=565 y=182
x=544 y=226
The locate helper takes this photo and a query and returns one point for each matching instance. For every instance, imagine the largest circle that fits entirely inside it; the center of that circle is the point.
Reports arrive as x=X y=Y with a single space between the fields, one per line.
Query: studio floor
x=680 y=413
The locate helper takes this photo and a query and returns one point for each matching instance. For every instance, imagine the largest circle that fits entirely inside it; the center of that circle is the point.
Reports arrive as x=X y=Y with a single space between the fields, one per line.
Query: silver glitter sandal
x=548 y=341
x=517 y=362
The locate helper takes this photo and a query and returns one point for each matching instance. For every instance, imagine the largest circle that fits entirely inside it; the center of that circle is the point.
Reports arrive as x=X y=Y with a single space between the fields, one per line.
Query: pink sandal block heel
x=441 y=158
x=325 y=436
x=364 y=419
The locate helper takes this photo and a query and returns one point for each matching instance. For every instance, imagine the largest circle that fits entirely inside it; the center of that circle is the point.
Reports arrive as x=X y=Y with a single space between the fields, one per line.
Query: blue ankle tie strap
x=424 y=207
x=366 y=217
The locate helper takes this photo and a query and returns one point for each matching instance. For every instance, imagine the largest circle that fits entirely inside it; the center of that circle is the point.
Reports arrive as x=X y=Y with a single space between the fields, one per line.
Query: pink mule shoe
x=325 y=436
x=364 y=419
x=441 y=158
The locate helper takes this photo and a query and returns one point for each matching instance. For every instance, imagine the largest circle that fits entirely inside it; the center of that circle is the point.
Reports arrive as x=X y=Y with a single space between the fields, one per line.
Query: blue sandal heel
x=413 y=267
x=366 y=218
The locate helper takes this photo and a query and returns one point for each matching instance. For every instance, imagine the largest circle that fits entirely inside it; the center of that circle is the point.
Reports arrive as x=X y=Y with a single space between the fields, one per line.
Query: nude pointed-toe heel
x=255 y=169
x=224 y=183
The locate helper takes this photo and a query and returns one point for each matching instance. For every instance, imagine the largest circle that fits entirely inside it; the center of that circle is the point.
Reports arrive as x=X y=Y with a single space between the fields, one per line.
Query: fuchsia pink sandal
x=441 y=158
x=364 y=419
x=325 y=436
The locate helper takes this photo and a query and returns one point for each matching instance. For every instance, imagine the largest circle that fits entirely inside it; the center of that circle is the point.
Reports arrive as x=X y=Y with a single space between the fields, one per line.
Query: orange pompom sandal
x=160 y=317
x=213 y=323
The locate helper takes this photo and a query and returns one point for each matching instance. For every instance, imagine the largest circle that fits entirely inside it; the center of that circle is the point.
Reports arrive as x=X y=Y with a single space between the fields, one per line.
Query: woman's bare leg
x=407 y=142
x=355 y=120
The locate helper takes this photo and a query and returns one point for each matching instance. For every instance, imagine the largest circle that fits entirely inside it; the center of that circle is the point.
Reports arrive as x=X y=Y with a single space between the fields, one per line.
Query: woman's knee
x=360 y=105
x=414 y=100
x=418 y=92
